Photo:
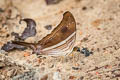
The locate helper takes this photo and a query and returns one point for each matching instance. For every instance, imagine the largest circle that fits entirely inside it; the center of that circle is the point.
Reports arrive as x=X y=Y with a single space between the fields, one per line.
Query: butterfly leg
x=75 y=49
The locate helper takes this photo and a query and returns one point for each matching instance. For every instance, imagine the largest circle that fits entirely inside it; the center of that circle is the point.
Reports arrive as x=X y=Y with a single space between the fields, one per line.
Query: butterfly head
x=36 y=49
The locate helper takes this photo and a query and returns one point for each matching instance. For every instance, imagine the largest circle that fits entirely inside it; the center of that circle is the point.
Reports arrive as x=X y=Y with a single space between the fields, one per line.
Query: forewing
x=66 y=27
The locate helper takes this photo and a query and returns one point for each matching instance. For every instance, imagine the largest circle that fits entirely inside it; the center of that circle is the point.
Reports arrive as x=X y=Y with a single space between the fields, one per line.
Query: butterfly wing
x=62 y=38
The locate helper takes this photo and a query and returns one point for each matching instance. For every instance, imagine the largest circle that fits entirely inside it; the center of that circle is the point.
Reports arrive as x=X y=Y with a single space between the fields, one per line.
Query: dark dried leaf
x=29 y=31
x=17 y=37
x=10 y=46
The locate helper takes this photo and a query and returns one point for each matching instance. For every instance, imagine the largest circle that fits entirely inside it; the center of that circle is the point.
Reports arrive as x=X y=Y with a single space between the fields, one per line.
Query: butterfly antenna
x=30 y=45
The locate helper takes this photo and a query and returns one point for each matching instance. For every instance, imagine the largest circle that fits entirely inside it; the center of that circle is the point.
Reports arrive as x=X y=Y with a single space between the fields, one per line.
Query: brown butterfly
x=61 y=40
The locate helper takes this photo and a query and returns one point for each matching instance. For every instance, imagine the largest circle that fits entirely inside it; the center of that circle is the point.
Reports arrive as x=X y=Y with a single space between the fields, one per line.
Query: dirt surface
x=98 y=29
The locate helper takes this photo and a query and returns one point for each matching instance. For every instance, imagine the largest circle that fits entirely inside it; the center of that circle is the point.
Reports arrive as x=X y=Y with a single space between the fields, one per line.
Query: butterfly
x=59 y=42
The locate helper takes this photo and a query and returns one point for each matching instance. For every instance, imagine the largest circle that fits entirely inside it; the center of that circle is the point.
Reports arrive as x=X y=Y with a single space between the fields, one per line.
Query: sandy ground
x=98 y=29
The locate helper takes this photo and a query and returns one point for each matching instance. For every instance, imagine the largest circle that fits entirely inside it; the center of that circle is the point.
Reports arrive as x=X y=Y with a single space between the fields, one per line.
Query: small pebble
x=82 y=77
x=50 y=2
x=1 y=10
x=75 y=68
x=72 y=77
x=84 y=8
x=86 y=52
x=48 y=27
